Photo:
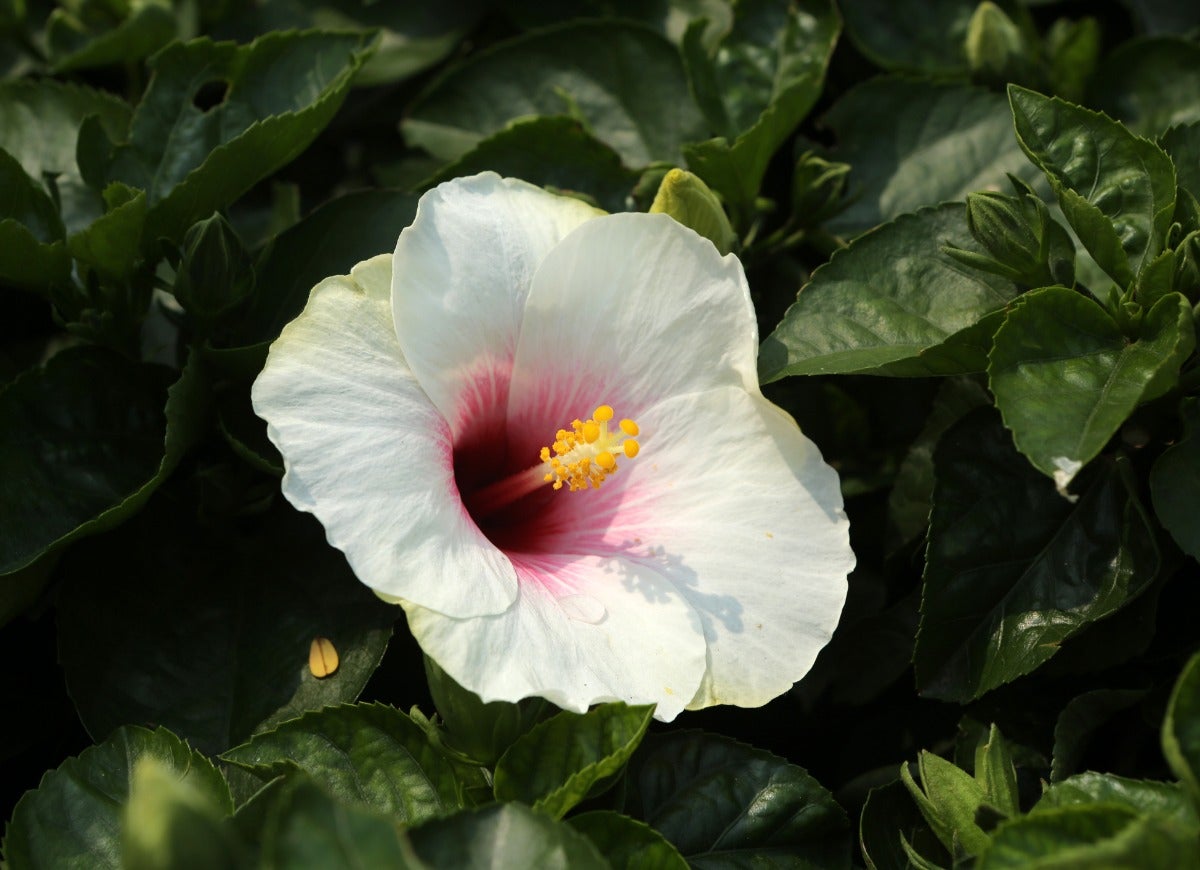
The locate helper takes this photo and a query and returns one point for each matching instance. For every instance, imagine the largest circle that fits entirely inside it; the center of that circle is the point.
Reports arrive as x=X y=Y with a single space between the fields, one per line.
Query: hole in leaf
x=210 y=94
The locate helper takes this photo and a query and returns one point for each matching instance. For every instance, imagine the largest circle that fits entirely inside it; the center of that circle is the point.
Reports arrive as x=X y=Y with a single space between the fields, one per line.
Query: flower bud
x=690 y=201
x=996 y=49
x=216 y=274
x=1019 y=233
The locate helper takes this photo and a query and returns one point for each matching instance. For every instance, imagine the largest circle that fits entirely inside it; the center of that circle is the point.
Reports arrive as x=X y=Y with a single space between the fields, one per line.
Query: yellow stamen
x=579 y=458
x=585 y=456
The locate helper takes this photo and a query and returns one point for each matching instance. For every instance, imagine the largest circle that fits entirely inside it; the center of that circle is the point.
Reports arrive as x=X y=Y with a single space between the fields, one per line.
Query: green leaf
x=74 y=45
x=1129 y=84
x=626 y=843
x=912 y=493
x=1183 y=145
x=578 y=69
x=724 y=804
x=1079 y=720
x=1088 y=835
x=1164 y=16
x=1181 y=728
x=170 y=824
x=888 y=817
x=413 y=36
x=73 y=818
x=1167 y=801
x=481 y=731
x=111 y=244
x=306 y=828
x=1066 y=376
x=243 y=607
x=892 y=303
x=949 y=799
x=1102 y=174
x=912 y=35
x=555 y=152
x=39 y=126
x=329 y=241
x=1013 y=569
x=26 y=202
x=994 y=771
x=84 y=440
x=281 y=90
x=914 y=143
x=365 y=755
x=556 y=764
x=504 y=835
x=756 y=86
x=1175 y=485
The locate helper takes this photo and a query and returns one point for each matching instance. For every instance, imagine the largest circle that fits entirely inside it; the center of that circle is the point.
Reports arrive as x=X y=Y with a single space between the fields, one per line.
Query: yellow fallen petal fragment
x=322 y=657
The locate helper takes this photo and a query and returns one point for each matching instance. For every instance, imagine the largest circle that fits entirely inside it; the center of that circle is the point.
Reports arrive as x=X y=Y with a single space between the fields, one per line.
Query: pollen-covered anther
x=587 y=454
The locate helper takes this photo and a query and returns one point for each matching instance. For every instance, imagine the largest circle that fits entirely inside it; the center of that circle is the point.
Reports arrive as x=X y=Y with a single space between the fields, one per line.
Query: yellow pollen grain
x=631 y=448
x=629 y=427
x=603 y=414
x=606 y=461
x=591 y=432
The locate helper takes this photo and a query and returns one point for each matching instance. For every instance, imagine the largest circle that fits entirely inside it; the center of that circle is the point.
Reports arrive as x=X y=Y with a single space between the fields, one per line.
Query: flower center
x=581 y=457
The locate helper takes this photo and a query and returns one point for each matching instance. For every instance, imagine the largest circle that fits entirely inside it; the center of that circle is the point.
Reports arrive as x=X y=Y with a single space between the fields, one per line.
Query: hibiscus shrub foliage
x=971 y=234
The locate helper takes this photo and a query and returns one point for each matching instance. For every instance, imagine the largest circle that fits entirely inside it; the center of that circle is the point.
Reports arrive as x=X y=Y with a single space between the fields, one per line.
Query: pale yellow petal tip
x=322 y=658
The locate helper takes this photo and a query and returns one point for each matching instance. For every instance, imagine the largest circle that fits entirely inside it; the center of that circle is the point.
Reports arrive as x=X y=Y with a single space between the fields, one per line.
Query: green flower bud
x=996 y=49
x=690 y=201
x=818 y=186
x=216 y=273
x=1022 y=237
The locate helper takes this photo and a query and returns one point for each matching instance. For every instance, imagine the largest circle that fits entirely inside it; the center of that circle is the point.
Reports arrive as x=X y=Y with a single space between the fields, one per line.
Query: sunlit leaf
x=1013 y=568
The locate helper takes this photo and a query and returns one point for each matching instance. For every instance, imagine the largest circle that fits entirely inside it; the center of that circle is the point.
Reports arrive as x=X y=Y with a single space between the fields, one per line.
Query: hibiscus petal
x=689 y=326
x=585 y=629
x=369 y=455
x=745 y=519
x=463 y=272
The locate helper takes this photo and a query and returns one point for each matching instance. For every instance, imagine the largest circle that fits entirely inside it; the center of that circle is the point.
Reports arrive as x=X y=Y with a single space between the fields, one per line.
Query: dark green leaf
x=84 y=441
x=504 y=835
x=74 y=45
x=39 y=125
x=1088 y=835
x=307 y=829
x=27 y=203
x=481 y=731
x=73 y=818
x=1164 y=16
x=756 y=86
x=582 y=69
x=724 y=804
x=281 y=90
x=556 y=764
x=327 y=242
x=1072 y=51
x=1183 y=145
x=911 y=498
x=366 y=755
x=222 y=649
x=170 y=824
x=1077 y=722
x=911 y=35
x=893 y=303
x=413 y=36
x=627 y=844
x=914 y=143
x=1066 y=376
x=994 y=770
x=555 y=152
x=1181 y=728
x=888 y=816
x=1129 y=84
x=1166 y=801
x=1102 y=174
x=1013 y=568
x=111 y=244
x=1175 y=485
